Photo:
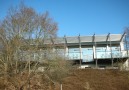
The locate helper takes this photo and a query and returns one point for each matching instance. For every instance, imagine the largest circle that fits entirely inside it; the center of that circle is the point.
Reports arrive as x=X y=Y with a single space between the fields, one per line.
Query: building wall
x=89 y=53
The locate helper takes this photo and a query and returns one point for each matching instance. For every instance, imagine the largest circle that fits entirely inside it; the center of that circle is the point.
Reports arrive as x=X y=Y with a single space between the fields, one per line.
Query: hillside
x=85 y=79
x=89 y=79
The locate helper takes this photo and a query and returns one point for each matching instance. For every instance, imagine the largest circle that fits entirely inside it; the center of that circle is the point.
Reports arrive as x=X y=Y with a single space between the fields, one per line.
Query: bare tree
x=21 y=33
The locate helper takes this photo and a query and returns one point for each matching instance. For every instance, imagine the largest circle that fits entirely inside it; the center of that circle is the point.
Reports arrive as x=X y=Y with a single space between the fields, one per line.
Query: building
x=93 y=51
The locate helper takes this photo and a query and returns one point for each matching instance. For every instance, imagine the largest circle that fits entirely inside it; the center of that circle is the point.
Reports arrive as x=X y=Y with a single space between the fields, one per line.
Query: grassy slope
x=90 y=79
x=86 y=79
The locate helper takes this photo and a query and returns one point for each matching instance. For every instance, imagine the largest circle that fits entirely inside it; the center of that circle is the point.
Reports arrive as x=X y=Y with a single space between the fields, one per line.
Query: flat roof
x=88 y=39
x=85 y=40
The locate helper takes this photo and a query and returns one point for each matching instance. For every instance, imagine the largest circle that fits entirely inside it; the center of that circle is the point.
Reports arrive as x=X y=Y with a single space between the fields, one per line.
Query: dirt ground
x=85 y=79
x=93 y=79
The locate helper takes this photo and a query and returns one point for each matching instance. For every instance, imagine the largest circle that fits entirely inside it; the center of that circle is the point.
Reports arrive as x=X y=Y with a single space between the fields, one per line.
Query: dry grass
x=90 y=79
x=87 y=79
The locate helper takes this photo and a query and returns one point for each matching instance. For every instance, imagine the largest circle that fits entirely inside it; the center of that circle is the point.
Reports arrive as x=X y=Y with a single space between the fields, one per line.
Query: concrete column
x=121 y=46
x=95 y=55
x=112 y=64
x=94 y=52
x=80 y=48
x=107 y=51
x=107 y=48
x=66 y=51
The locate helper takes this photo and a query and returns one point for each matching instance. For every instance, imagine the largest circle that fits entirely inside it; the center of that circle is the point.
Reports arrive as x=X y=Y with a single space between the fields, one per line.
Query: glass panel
x=102 y=52
x=87 y=54
x=74 y=53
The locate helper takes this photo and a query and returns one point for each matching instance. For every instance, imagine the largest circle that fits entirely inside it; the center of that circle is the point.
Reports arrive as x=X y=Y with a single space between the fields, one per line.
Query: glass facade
x=73 y=53
x=113 y=52
x=87 y=54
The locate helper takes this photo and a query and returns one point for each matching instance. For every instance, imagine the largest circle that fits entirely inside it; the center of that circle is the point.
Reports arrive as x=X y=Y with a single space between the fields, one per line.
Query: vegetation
x=22 y=36
x=84 y=79
x=95 y=79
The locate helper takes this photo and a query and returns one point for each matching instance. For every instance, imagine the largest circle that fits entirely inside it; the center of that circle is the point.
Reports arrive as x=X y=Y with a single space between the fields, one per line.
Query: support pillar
x=111 y=52
x=107 y=51
x=96 y=62
x=112 y=59
x=95 y=55
x=121 y=46
x=94 y=52
x=80 y=49
x=107 y=48
x=112 y=62
x=66 y=52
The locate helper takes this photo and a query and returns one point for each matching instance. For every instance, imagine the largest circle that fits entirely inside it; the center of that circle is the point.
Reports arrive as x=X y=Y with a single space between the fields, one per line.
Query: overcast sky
x=84 y=17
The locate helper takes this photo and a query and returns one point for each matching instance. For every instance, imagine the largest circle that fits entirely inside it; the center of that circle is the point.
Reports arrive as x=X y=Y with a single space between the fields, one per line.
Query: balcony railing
x=99 y=55
x=113 y=54
x=86 y=57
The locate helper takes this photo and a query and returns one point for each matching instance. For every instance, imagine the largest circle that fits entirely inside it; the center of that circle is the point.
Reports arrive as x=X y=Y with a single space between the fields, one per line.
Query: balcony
x=86 y=57
x=109 y=54
x=99 y=55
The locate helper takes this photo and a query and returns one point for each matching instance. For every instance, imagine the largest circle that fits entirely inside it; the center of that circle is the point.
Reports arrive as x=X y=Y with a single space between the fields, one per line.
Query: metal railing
x=113 y=54
x=73 y=55
x=99 y=55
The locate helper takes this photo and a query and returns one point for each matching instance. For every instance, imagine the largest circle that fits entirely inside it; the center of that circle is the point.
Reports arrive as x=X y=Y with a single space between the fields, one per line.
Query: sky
x=84 y=17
